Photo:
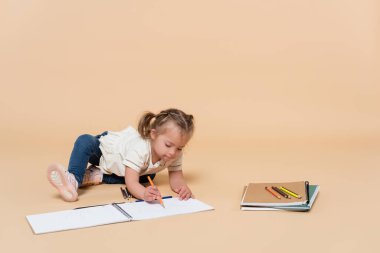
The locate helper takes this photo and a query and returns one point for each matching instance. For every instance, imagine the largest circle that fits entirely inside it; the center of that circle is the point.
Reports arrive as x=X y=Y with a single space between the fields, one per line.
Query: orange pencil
x=272 y=192
x=152 y=184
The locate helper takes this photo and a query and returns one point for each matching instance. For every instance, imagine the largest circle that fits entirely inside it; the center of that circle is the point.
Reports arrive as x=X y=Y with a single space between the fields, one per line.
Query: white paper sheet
x=76 y=218
x=173 y=206
x=107 y=214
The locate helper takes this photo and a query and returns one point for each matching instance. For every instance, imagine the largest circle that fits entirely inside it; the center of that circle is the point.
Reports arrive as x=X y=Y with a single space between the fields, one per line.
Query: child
x=129 y=156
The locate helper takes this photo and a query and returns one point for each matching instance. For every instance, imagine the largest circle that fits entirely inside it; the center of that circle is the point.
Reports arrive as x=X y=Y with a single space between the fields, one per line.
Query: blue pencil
x=166 y=197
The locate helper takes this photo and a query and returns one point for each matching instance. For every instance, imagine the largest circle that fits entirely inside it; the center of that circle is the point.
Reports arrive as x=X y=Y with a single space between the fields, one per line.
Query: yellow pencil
x=152 y=184
x=290 y=192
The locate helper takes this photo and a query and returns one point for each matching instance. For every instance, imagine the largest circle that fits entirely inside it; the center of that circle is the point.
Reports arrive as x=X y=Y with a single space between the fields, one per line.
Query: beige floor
x=281 y=91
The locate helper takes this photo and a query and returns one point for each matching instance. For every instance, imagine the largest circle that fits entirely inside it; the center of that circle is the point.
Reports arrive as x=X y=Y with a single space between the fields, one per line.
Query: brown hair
x=151 y=121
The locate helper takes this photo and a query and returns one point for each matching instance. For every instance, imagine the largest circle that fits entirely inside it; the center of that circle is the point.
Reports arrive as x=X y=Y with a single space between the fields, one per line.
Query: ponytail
x=151 y=121
x=145 y=125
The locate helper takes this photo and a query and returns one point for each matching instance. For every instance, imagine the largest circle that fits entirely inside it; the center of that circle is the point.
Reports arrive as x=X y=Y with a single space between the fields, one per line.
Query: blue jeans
x=86 y=150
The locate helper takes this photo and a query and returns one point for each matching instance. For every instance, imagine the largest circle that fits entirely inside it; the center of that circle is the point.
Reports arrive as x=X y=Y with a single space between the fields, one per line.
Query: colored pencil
x=272 y=192
x=280 y=192
x=152 y=184
x=123 y=193
x=290 y=192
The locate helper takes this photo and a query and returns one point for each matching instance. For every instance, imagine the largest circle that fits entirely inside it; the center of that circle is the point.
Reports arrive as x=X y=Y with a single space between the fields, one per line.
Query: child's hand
x=151 y=193
x=184 y=192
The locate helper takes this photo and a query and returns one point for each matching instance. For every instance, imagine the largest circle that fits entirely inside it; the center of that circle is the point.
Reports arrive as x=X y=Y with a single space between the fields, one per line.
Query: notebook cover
x=313 y=192
x=256 y=195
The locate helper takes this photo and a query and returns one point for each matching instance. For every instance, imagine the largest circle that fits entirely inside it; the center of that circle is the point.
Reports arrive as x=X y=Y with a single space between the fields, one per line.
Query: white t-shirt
x=128 y=148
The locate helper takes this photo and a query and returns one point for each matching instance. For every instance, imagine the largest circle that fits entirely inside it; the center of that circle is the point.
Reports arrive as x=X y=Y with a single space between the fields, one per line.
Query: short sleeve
x=176 y=164
x=135 y=159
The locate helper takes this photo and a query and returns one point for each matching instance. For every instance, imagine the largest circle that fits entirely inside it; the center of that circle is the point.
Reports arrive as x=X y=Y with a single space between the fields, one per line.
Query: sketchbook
x=111 y=213
x=313 y=192
x=256 y=194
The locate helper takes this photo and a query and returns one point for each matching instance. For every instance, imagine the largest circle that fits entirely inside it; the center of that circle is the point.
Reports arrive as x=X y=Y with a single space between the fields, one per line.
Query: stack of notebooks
x=291 y=196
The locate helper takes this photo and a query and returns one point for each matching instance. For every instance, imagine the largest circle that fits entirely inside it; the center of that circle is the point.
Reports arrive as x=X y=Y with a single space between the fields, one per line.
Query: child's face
x=168 y=144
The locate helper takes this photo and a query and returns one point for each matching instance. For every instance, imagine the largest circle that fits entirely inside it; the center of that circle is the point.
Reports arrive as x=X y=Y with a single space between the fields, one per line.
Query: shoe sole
x=57 y=178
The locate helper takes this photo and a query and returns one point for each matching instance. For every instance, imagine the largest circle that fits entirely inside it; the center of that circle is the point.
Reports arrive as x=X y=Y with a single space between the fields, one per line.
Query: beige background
x=281 y=91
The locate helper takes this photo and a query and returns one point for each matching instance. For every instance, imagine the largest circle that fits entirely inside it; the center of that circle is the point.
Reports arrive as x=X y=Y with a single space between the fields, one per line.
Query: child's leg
x=115 y=179
x=85 y=148
x=144 y=179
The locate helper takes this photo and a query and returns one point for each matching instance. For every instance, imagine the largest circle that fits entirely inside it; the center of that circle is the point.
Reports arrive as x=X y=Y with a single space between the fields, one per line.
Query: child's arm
x=178 y=185
x=138 y=190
